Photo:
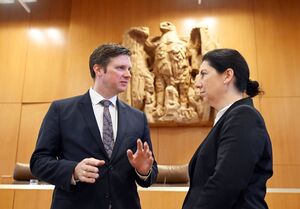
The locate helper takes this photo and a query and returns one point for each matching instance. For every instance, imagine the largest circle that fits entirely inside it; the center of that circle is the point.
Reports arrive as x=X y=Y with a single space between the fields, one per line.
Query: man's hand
x=87 y=171
x=142 y=159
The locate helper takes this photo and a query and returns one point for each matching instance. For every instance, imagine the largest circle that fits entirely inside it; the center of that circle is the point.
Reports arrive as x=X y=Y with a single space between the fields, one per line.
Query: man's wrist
x=143 y=177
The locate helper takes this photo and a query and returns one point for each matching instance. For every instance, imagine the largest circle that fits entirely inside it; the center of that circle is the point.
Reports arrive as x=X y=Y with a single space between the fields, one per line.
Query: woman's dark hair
x=222 y=59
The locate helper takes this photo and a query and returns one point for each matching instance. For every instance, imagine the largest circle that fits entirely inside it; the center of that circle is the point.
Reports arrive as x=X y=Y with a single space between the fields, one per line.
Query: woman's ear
x=228 y=75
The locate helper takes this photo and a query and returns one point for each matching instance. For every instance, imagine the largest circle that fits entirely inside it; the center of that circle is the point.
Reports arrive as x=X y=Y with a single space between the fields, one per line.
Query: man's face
x=116 y=78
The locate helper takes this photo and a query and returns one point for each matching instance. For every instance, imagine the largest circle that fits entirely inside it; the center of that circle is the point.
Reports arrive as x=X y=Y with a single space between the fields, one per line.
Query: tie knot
x=105 y=103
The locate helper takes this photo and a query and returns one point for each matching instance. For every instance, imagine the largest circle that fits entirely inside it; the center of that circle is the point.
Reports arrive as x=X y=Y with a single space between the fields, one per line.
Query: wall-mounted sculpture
x=164 y=70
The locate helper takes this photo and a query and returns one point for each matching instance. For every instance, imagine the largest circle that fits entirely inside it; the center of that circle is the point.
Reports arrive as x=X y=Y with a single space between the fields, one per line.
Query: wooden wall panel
x=154 y=140
x=9 y=129
x=285 y=176
x=46 y=57
x=283 y=200
x=161 y=200
x=13 y=24
x=174 y=200
x=283 y=122
x=40 y=199
x=32 y=199
x=177 y=145
x=6 y=199
x=278 y=42
x=31 y=119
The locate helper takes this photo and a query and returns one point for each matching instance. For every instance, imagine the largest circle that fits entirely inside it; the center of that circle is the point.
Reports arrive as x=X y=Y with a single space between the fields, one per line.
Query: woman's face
x=210 y=84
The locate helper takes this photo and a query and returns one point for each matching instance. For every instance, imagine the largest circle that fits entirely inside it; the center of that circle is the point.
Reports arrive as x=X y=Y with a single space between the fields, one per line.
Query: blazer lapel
x=86 y=109
x=121 y=133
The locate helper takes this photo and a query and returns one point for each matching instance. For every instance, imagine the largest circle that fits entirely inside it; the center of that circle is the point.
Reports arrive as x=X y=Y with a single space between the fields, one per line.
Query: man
x=94 y=148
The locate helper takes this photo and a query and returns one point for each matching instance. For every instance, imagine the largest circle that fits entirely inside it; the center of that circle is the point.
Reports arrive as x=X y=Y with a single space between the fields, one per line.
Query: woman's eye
x=202 y=74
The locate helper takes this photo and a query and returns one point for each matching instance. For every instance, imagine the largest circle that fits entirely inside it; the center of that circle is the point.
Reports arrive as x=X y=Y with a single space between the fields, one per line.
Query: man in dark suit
x=94 y=148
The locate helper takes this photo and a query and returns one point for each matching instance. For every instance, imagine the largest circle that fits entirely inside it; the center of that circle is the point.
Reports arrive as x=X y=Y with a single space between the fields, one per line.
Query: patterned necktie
x=107 y=135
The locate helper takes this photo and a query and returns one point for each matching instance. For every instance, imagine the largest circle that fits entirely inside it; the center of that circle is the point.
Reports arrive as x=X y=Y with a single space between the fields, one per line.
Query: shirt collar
x=221 y=113
x=96 y=98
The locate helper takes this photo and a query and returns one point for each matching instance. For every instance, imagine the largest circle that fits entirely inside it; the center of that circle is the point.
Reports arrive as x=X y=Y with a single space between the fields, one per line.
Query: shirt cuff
x=73 y=181
x=144 y=178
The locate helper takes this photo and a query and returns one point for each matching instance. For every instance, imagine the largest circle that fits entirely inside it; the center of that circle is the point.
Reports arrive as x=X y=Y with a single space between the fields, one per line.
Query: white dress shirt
x=221 y=113
x=96 y=98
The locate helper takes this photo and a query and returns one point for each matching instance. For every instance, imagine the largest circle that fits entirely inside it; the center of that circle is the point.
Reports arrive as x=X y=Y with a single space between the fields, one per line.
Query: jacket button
x=110 y=167
x=106 y=195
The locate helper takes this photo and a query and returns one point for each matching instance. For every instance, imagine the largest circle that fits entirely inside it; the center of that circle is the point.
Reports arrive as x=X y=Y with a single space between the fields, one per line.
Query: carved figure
x=163 y=73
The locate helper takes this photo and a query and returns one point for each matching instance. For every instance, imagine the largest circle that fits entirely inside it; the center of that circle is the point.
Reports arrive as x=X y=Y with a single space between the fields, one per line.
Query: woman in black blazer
x=230 y=168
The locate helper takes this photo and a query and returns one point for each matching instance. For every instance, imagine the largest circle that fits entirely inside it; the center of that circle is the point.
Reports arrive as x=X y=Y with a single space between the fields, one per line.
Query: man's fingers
x=146 y=146
x=94 y=162
x=139 y=145
x=149 y=154
x=87 y=180
x=89 y=168
x=129 y=155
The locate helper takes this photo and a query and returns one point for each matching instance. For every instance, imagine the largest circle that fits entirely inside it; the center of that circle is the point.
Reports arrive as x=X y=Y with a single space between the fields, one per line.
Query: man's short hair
x=103 y=53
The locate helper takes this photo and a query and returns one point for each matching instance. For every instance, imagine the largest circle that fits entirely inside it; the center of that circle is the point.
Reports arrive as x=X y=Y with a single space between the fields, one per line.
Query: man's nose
x=127 y=73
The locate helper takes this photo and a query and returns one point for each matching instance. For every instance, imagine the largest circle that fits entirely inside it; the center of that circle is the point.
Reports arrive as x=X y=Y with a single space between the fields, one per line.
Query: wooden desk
x=26 y=196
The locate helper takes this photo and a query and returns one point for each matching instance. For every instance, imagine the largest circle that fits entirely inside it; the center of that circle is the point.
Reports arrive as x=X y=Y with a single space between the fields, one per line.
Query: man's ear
x=98 y=70
x=228 y=75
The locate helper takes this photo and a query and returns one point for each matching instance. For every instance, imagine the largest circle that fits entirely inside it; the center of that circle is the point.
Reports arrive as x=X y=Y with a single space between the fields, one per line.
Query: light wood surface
x=278 y=42
x=32 y=199
x=31 y=119
x=6 y=199
x=9 y=129
x=47 y=51
x=13 y=49
x=177 y=145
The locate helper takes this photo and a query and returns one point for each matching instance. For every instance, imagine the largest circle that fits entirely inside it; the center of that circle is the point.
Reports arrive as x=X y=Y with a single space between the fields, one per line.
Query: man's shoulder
x=70 y=100
x=123 y=104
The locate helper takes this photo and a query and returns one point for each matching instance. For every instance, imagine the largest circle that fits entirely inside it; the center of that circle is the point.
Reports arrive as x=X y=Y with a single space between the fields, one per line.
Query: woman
x=232 y=165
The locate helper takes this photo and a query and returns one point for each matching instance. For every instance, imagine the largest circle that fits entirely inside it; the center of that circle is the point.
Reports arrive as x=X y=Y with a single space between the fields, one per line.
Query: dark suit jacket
x=230 y=168
x=69 y=133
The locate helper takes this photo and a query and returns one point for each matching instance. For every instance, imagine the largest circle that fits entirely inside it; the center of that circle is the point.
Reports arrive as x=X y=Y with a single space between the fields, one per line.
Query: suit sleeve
x=152 y=178
x=45 y=162
x=240 y=145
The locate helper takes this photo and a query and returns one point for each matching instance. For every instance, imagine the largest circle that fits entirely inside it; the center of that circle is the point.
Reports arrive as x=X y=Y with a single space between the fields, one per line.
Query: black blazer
x=69 y=133
x=230 y=168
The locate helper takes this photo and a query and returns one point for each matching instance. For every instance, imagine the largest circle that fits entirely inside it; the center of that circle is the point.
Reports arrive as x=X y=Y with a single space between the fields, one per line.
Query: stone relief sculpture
x=164 y=70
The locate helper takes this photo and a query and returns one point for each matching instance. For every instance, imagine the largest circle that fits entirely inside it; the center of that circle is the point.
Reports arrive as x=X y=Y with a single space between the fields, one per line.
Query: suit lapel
x=215 y=131
x=121 y=133
x=86 y=109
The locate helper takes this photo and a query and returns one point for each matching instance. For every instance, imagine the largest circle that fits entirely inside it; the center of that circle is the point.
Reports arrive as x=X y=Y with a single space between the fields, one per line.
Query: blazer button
x=110 y=167
x=106 y=195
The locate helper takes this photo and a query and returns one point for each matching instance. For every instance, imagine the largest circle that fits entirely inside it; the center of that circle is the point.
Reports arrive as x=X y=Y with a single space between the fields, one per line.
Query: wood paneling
x=278 y=42
x=177 y=145
x=283 y=122
x=281 y=117
x=285 y=176
x=9 y=129
x=32 y=199
x=46 y=56
x=161 y=200
x=13 y=41
x=283 y=200
x=6 y=199
x=154 y=140
x=32 y=116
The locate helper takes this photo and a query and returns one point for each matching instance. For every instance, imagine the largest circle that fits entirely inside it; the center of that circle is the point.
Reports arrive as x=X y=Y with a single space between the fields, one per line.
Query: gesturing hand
x=87 y=171
x=142 y=159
